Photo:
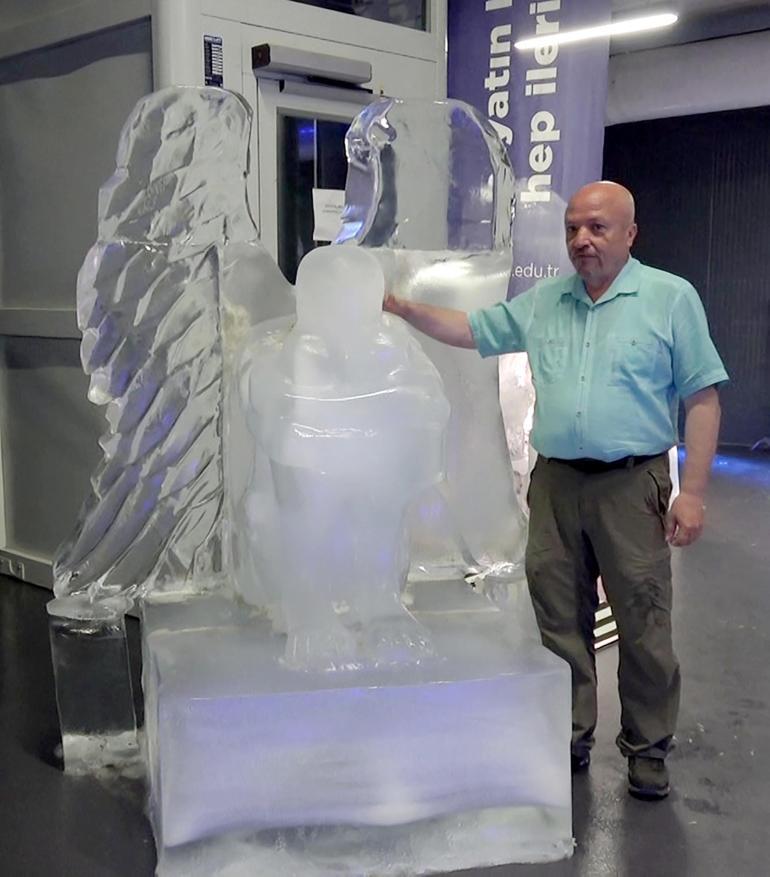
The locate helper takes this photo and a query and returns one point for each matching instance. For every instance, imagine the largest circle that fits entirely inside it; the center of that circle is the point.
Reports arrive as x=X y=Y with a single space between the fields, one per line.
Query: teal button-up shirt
x=608 y=374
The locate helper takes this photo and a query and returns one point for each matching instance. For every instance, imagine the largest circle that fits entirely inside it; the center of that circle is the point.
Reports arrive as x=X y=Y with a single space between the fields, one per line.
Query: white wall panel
x=31 y=24
x=724 y=74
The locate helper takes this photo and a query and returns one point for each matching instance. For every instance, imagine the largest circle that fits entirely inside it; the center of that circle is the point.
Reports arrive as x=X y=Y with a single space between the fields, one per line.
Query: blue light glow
x=306 y=134
x=745 y=465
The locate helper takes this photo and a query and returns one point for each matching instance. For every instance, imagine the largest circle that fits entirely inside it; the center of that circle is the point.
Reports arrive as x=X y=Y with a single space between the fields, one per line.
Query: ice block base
x=451 y=843
x=460 y=762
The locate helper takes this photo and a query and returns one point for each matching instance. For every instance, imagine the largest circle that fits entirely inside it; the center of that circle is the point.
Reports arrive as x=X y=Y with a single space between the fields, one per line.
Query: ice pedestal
x=93 y=684
x=458 y=762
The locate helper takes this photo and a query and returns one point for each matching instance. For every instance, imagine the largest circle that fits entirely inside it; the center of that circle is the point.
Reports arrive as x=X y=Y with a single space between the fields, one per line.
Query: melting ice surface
x=348 y=416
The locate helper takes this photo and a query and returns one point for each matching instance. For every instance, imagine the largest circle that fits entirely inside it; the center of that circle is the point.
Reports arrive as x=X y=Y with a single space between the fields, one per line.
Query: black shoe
x=648 y=778
x=580 y=761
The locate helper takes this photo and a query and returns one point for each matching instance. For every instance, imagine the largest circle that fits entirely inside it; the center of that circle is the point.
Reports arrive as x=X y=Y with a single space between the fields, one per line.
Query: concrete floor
x=715 y=822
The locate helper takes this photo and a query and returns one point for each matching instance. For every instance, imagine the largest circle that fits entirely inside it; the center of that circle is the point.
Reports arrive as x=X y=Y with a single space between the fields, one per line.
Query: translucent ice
x=430 y=191
x=174 y=280
x=93 y=684
x=348 y=415
x=177 y=281
x=405 y=769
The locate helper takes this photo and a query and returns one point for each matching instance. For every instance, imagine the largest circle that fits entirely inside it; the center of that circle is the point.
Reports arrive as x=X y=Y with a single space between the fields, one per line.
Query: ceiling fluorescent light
x=613 y=29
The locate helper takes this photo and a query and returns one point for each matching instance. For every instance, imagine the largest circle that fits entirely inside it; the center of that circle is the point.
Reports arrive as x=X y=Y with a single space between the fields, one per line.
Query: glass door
x=311 y=155
x=301 y=145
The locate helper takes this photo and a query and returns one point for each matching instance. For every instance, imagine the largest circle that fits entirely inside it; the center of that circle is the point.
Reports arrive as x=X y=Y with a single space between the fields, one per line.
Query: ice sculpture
x=173 y=282
x=430 y=191
x=349 y=417
x=279 y=458
x=170 y=291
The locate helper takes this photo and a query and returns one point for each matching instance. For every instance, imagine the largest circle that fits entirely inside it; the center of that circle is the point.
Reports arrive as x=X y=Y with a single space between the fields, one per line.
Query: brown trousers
x=608 y=523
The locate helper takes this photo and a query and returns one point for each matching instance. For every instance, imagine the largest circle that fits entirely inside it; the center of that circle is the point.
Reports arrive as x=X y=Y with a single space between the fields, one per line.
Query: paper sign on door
x=327 y=211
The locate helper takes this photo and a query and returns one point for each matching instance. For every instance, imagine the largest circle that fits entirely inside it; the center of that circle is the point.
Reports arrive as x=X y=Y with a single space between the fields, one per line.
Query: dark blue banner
x=547 y=104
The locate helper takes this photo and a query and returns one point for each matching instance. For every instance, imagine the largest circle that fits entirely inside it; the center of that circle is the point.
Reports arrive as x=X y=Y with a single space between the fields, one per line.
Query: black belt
x=591 y=467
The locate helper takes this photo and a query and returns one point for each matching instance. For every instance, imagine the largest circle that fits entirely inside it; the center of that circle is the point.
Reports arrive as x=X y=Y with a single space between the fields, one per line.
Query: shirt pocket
x=634 y=359
x=548 y=359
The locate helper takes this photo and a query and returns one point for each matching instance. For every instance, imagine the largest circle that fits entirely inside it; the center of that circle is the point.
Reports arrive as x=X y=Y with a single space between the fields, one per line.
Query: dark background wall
x=702 y=188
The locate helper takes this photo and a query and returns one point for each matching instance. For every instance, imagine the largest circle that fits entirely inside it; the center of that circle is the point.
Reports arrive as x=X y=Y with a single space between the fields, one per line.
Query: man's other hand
x=684 y=521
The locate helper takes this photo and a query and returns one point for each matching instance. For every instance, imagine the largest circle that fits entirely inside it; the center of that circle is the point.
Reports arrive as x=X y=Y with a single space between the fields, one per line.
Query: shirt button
x=579 y=413
x=588 y=343
x=582 y=377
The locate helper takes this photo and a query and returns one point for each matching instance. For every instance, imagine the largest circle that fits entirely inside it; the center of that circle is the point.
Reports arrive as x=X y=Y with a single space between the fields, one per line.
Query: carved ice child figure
x=350 y=414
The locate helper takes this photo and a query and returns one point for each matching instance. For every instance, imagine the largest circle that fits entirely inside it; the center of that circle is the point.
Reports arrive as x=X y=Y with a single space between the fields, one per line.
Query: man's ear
x=632 y=229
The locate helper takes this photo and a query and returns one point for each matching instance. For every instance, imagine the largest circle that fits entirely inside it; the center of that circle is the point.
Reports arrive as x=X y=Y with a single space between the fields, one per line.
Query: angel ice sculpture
x=177 y=286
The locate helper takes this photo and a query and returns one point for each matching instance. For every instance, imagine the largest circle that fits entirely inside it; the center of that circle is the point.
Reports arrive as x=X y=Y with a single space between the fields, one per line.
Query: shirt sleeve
x=503 y=327
x=696 y=363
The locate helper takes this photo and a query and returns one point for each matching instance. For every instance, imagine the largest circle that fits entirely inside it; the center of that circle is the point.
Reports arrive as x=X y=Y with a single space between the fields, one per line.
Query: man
x=612 y=350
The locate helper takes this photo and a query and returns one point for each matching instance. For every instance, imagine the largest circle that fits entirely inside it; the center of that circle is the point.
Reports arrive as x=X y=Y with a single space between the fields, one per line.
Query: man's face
x=600 y=231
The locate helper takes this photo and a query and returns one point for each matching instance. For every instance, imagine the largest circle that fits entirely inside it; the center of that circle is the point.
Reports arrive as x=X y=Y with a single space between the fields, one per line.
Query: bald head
x=600 y=229
x=608 y=195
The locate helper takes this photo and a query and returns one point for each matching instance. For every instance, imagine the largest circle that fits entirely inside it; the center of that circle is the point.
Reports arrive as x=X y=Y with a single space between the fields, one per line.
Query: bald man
x=612 y=348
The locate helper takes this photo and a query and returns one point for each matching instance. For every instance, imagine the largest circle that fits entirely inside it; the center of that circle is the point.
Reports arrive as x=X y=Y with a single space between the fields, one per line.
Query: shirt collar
x=626 y=283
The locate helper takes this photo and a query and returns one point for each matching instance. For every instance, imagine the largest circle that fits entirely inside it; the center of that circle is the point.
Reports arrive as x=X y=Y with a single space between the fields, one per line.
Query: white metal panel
x=724 y=74
x=439 y=25
x=337 y=27
x=177 y=43
x=180 y=25
x=48 y=23
x=394 y=75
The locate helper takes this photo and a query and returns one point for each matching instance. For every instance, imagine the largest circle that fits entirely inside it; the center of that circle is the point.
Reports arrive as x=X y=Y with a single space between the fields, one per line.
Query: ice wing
x=150 y=310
